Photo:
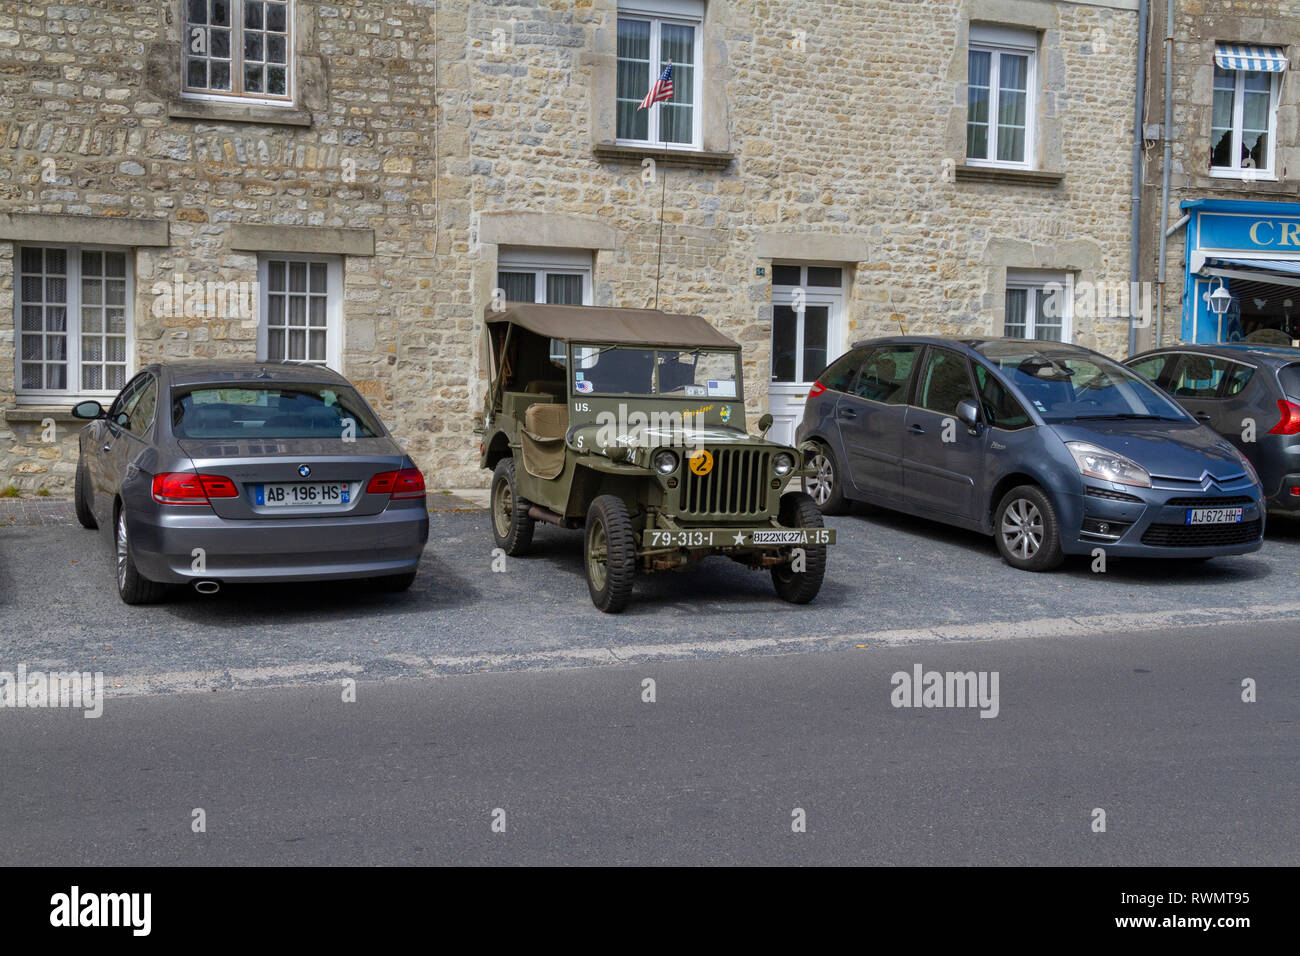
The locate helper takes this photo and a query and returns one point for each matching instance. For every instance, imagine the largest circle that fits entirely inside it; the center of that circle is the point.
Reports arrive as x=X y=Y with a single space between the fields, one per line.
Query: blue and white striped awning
x=1239 y=56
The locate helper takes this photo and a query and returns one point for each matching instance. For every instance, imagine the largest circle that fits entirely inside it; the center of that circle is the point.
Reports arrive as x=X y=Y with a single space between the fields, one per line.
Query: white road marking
x=1237 y=620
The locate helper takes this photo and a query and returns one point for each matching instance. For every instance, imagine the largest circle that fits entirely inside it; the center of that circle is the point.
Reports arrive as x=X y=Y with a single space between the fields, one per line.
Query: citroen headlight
x=783 y=464
x=665 y=462
x=1097 y=462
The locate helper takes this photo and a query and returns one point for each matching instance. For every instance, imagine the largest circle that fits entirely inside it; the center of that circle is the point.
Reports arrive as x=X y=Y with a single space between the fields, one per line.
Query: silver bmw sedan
x=212 y=473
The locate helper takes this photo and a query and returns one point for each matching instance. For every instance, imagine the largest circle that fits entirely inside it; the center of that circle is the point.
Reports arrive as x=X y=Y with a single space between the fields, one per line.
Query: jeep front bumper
x=656 y=538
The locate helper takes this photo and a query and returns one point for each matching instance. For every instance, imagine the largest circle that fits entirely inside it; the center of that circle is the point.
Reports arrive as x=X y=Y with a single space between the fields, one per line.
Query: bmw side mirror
x=89 y=410
x=968 y=413
x=765 y=423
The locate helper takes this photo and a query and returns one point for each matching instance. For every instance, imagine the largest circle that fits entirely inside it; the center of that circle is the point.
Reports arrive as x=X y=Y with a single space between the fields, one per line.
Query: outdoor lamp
x=1220 y=300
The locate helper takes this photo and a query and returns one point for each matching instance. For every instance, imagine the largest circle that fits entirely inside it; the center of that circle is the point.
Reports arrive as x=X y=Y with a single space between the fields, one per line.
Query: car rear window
x=1289 y=378
x=251 y=411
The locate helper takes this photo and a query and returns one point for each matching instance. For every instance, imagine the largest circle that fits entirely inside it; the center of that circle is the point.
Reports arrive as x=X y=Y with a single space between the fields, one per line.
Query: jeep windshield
x=667 y=372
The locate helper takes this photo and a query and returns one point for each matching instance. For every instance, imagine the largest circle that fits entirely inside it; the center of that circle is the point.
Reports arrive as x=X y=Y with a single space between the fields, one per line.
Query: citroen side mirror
x=968 y=413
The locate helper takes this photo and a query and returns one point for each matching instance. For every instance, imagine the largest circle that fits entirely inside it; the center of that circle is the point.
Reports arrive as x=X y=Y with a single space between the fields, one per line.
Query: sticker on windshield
x=695 y=391
x=722 y=388
x=581 y=386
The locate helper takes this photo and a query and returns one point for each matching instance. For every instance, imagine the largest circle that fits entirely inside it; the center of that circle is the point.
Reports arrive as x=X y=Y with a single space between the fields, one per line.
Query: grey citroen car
x=1051 y=448
x=1249 y=394
x=206 y=473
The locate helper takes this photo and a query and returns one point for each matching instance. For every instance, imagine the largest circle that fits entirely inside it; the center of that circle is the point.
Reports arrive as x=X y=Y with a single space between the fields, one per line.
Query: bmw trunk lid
x=265 y=472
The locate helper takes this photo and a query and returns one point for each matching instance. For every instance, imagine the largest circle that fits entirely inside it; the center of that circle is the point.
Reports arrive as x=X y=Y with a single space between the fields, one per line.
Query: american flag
x=662 y=89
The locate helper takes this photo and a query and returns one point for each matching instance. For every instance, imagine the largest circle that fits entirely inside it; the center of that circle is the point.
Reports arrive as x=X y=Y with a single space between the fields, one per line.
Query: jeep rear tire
x=609 y=554
x=798 y=510
x=511 y=526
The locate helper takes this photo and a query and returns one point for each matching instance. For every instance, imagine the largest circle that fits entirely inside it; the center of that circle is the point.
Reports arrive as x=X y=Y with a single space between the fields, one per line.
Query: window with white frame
x=73 y=321
x=1001 y=92
x=1243 y=122
x=654 y=35
x=301 y=310
x=1038 y=306
x=547 y=276
x=238 y=48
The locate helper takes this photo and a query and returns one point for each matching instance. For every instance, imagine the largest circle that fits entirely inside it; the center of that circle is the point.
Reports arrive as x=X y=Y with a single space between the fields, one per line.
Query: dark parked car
x=1051 y=448
x=212 y=473
x=1249 y=394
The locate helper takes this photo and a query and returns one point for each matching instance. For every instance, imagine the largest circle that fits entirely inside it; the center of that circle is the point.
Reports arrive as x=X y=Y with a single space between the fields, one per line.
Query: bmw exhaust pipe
x=207 y=587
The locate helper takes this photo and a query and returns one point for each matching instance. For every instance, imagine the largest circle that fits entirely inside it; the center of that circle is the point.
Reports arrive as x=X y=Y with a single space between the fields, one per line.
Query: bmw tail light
x=1290 y=423
x=185 y=488
x=817 y=389
x=407 y=483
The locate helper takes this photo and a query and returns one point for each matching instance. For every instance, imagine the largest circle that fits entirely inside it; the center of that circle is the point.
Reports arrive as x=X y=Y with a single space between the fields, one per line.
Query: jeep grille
x=737 y=484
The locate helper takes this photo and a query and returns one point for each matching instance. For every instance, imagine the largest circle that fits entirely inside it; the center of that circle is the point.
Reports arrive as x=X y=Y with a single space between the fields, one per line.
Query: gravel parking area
x=891 y=579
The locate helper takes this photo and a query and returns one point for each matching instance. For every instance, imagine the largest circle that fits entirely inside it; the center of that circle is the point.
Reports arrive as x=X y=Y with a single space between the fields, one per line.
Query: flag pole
x=663 y=192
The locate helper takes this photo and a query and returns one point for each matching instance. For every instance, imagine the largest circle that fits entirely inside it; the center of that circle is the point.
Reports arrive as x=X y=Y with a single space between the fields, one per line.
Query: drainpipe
x=1165 y=132
x=1135 y=230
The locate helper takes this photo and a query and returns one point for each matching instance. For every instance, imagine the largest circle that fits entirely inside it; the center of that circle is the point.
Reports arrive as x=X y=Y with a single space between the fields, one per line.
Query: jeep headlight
x=665 y=462
x=783 y=464
x=1097 y=462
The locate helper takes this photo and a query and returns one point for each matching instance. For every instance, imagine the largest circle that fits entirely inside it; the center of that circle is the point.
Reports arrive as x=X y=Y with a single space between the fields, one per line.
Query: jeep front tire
x=609 y=554
x=798 y=510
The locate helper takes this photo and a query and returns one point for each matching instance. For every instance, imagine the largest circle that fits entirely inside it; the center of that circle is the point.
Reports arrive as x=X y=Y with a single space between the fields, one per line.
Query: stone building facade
x=826 y=172
x=1233 y=203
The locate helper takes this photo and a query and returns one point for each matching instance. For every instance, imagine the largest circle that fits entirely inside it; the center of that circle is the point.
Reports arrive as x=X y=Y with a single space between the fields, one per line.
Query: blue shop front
x=1251 y=250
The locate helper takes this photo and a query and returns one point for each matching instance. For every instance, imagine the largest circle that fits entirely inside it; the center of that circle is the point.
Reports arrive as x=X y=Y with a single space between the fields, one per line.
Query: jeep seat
x=543 y=439
x=543 y=387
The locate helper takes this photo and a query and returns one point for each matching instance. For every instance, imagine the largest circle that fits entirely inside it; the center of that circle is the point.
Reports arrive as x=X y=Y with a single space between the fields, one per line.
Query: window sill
x=1008 y=177
x=235 y=112
x=703 y=159
x=35 y=414
x=1235 y=184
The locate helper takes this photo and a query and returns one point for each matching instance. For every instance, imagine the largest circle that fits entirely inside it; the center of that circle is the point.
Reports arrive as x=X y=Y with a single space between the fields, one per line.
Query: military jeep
x=631 y=423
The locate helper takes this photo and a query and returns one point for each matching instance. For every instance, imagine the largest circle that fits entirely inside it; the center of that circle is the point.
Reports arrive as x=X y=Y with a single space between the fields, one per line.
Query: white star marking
x=740 y=537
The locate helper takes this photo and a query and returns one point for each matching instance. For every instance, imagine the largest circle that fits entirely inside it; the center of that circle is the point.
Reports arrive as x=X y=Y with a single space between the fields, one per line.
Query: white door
x=807 y=335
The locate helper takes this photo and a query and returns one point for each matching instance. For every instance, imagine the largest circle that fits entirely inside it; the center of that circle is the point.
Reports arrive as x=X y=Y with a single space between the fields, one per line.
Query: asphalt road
x=1149 y=727
x=892 y=579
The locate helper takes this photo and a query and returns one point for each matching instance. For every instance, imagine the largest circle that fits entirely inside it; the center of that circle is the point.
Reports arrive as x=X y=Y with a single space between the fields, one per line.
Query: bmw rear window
x=297 y=411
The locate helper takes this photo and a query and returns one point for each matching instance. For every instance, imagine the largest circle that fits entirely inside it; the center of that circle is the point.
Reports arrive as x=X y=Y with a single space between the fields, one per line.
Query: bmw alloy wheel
x=120 y=541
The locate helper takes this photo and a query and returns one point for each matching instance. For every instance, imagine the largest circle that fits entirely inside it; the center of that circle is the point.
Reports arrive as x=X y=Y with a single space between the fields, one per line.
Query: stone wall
x=1198 y=26
x=832 y=126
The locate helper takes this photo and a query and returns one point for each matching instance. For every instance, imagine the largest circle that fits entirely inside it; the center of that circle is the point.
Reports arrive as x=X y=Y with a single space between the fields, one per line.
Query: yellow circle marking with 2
x=701 y=462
